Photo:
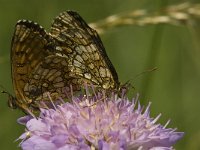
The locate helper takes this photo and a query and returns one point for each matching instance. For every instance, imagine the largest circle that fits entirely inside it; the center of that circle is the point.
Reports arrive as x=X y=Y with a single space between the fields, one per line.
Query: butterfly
x=42 y=62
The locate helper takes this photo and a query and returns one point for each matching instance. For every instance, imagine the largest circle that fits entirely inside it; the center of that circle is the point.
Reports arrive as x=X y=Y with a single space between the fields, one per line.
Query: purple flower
x=97 y=122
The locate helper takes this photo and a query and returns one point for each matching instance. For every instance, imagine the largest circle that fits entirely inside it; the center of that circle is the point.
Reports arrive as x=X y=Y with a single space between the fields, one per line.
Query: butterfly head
x=124 y=88
x=11 y=100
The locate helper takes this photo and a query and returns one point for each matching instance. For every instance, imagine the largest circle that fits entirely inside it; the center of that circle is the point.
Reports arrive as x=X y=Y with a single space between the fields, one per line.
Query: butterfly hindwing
x=27 y=50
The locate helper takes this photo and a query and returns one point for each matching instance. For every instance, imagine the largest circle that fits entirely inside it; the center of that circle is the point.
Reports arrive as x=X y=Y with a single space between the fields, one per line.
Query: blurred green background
x=173 y=89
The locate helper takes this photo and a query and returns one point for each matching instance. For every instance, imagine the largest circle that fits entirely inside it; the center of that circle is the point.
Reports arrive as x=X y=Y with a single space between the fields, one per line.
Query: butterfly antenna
x=140 y=74
x=127 y=85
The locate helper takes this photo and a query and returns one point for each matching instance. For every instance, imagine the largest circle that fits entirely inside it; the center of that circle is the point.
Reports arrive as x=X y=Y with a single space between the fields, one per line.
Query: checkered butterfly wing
x=36 y=70
x=82 y=47
x=27 y=51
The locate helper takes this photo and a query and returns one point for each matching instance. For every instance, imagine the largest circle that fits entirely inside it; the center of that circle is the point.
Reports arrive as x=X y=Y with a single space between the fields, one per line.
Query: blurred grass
x=175 y=50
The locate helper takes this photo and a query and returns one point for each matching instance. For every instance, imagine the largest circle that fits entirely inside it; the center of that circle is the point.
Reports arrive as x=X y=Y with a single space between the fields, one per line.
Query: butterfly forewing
x=70 y=55
x=82 y=46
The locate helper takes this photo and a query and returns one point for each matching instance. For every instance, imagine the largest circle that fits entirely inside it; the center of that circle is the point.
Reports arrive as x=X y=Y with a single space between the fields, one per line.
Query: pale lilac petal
x=161 y=148
x=24 y=120
x=36 y=125
x=37 y=143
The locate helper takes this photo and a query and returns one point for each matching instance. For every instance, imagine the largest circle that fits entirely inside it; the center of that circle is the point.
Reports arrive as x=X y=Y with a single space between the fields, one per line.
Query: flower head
x=97 y=122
